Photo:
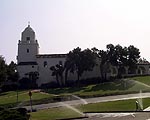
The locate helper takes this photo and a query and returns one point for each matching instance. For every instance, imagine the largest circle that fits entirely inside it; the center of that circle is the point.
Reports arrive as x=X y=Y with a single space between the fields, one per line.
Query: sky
x=62 y=25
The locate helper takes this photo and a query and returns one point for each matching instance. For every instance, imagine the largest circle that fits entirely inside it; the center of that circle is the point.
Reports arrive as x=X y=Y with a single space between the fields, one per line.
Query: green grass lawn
x=105 y=89
x=54 y=113
x=63 y=112
x=121 y=105
x=10 y=97
x=143 y=79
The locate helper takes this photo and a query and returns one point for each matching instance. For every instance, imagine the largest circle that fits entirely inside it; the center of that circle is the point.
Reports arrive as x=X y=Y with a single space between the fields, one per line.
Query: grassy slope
x=111 y=88
x=143 y=79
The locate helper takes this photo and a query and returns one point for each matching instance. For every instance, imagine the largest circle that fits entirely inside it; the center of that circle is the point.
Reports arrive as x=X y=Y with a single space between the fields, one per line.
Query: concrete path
x=89 y=100
x=118 y=116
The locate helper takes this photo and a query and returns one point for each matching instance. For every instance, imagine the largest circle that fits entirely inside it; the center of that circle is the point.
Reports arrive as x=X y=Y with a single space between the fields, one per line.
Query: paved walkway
x=119 y=116
x=89 y=100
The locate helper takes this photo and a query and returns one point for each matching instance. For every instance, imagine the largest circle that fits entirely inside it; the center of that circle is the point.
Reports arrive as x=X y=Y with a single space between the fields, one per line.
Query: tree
x=12 y=72
x=133 y=57
x=73 y=61
x=57 y=71
x=103 y=62
x=79 y=61
x=103 y=55
x=3 y=70
x=123 y=57
x=112 y=56
x=67 y=67
x=14 y=114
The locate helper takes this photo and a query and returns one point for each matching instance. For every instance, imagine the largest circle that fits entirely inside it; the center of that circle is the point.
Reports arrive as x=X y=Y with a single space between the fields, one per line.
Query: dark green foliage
x=3 y=70
x=79 y=61
x=117 y=56
x=123 y=57
x=8 y=73
x=9 y=87
x=133 y=56
x=76 y=61
x=57 y=71
x=12 y=74
x=12 y=114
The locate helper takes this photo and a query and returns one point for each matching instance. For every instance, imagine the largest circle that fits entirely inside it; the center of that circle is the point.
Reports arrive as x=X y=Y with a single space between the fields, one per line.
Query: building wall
x=45 y=74
x=24 y=69
x=28 y=52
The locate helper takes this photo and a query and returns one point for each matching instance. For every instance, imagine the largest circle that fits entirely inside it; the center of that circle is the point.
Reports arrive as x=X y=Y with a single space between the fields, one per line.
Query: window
x=27 y=50
x=27 y=38
x=32 y=66
x=45 y=63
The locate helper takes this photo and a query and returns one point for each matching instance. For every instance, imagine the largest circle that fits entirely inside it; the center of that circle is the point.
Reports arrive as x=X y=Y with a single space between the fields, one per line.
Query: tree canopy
x=79 y=61
x=7 y=72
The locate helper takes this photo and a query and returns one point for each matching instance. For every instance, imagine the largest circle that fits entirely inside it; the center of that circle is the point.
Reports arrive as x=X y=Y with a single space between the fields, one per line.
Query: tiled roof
x=51 y=56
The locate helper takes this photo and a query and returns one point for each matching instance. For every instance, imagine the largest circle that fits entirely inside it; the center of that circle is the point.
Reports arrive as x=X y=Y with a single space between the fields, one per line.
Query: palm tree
x=57 y=71
x=102 y=57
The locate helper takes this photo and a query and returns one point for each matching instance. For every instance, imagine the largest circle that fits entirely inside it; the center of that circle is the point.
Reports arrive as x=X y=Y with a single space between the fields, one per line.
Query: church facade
x=29 y=60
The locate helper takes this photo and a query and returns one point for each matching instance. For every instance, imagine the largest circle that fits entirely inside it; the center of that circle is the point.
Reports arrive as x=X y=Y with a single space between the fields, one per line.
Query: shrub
x=49 y=85
x=9 y=87
x=24 y=83
x=12 y=114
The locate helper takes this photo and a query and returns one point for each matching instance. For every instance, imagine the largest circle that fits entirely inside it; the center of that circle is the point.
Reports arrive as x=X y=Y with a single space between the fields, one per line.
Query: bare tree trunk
x=78 y=78
x=66 y=76
x=62 y=80
x=102 y=71
x=57 y=79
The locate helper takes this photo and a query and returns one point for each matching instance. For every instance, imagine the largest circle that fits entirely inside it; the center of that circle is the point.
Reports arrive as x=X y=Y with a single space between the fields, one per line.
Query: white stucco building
x=29 y=60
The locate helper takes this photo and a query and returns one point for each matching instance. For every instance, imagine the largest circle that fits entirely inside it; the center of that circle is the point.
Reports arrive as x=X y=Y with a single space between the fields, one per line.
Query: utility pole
x=30 y=95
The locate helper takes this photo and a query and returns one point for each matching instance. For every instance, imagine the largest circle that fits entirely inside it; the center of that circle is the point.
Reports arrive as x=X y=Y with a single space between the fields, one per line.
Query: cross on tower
x=28 y=23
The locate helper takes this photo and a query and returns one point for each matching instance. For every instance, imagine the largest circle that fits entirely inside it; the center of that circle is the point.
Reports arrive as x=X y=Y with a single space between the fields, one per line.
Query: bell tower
x=28 y=46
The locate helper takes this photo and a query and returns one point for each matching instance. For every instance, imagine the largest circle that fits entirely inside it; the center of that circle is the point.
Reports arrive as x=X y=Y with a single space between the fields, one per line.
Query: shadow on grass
x=1 y=94
x=109 y=86
x=117 y=85
x=66 y=90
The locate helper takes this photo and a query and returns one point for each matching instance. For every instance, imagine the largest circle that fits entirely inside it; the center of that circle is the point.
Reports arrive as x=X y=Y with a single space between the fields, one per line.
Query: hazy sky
x=62 y=25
